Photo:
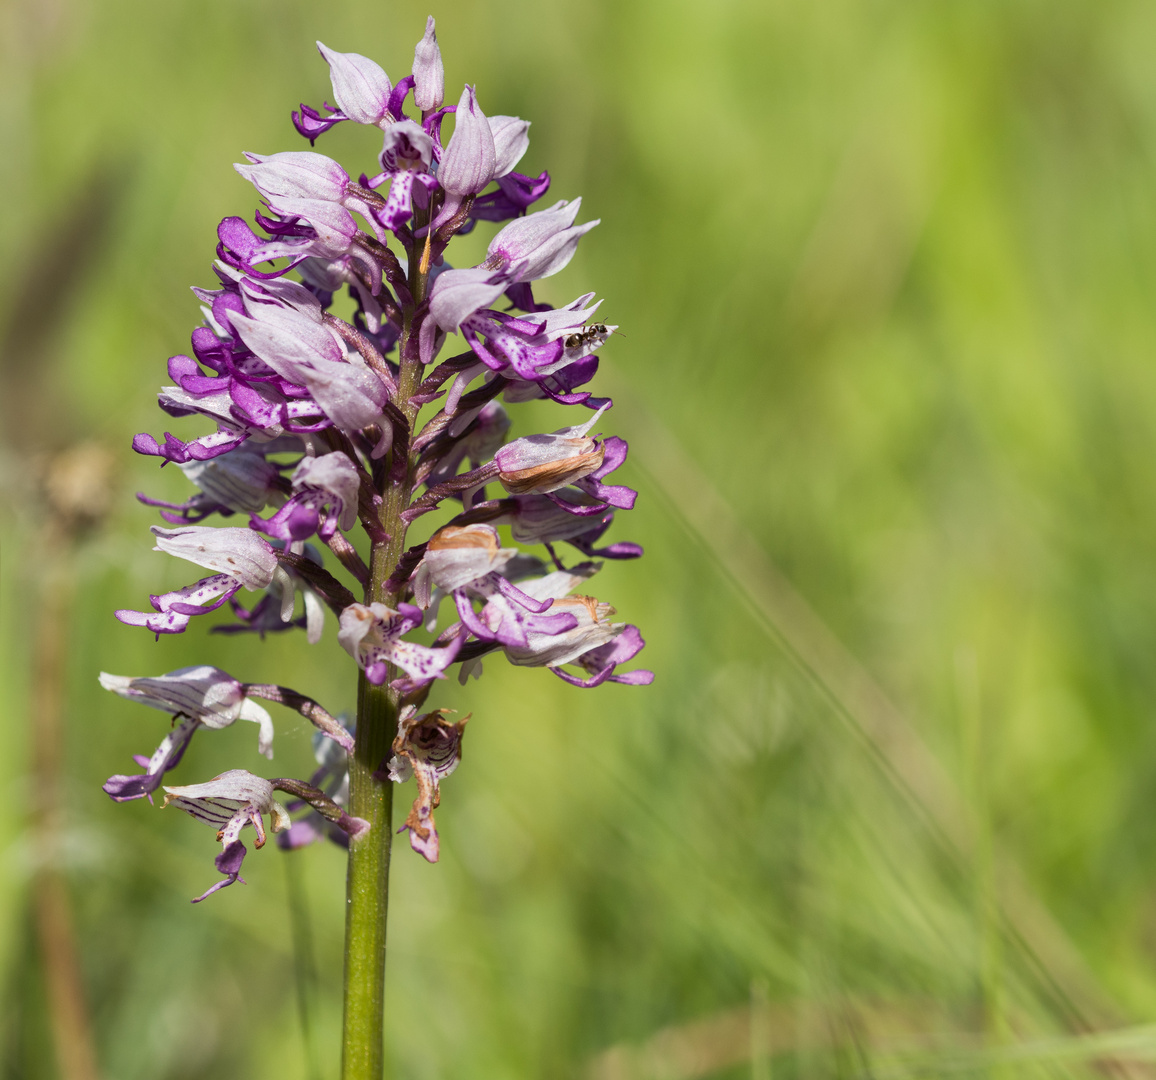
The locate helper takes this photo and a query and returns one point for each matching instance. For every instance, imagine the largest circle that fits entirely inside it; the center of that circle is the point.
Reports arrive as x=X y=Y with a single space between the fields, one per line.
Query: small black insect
x=593 y=335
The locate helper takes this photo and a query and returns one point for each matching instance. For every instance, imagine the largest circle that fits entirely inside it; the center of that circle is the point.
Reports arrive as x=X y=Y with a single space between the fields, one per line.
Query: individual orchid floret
x=330 y=481
x=372 y=634
x=466 y=562
x=360 y=87
x=429 y=77
x=535 y=246
x=588 y=496
x=406 y=156
x=230 y=803
x=587 y=642
x=538 y=464
x=197 y=697
x=240 y=557
x=428 y=748
x=246 y=399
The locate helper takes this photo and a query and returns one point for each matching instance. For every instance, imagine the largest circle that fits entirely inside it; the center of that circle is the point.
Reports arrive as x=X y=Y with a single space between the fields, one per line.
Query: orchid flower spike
x=332 y=417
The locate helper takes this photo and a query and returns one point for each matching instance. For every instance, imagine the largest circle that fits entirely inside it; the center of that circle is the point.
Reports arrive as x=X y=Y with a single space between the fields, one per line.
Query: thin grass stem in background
x=304 y=966
x=74 y=499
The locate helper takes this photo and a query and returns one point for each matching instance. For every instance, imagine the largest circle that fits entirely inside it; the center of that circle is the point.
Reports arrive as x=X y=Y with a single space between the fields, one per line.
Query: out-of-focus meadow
x=886 y=275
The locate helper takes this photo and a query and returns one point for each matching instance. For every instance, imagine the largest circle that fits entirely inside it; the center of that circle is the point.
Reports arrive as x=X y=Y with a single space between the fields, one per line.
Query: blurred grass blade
x=886 y=735
x=304 y=964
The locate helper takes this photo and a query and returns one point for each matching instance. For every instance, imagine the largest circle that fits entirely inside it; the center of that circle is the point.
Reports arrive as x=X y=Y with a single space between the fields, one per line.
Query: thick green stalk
x=371 y=798
x=370 y=793
x=367 y=886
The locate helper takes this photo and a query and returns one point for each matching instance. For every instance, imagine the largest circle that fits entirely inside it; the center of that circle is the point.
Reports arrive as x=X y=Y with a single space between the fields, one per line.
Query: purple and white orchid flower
x=239 y=557
x=196 y=697
x=466 y=563
x=529 y=248
x=300 y=183
x=327 y=481
x=230 y=803
x=373 y=635
x=589 y=643
x=540 y=464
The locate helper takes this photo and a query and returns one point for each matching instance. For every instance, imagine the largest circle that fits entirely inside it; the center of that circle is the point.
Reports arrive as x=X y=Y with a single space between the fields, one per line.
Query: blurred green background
x=884 y=272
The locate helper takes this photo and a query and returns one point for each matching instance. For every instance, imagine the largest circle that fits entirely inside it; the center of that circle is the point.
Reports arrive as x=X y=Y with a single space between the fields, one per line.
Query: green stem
x=367 y=886
x=370 y=793
x=371 y=798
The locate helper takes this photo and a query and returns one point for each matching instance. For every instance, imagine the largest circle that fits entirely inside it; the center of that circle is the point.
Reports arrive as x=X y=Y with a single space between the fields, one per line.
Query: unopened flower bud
x=429 y=76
